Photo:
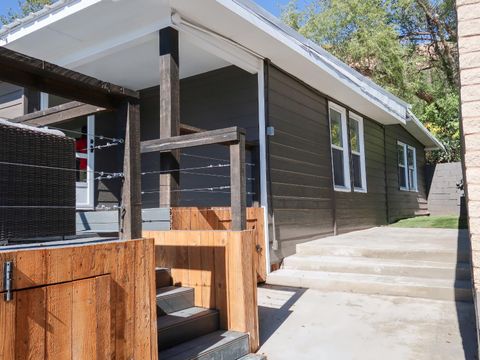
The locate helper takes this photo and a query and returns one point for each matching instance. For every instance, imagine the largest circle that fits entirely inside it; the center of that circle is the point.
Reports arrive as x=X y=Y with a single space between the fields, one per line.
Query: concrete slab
x=314 y=325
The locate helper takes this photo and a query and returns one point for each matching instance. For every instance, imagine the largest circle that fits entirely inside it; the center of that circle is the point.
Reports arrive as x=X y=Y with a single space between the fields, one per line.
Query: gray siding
x=354 y=210
x=217 y=99
x=403 y=204
x=300 y=165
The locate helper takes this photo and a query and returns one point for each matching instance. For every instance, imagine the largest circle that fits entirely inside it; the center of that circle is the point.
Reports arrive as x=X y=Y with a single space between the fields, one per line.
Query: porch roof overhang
x=78 y=42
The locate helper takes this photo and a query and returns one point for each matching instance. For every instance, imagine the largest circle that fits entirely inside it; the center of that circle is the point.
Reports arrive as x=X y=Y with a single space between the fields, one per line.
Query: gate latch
x=8 y=280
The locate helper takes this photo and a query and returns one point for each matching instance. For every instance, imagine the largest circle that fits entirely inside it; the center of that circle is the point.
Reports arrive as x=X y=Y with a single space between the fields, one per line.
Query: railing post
x=238 y=184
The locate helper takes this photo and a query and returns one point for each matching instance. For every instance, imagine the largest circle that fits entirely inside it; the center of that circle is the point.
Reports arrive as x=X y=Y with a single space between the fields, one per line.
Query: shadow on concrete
x=465 y=310
x=275 y=307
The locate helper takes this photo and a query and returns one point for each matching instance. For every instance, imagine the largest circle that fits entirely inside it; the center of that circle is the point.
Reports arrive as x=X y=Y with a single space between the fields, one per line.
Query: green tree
x=25 y=7
x=407 y=46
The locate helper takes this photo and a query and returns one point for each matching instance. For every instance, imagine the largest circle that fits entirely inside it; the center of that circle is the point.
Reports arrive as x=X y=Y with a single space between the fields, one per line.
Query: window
x=407 y=167
x=339 y=145
x=82 y=130
x=357 y=148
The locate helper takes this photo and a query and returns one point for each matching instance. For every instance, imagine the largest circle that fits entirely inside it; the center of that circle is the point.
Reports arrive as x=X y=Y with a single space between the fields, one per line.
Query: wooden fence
x=94 y=301
x=219 y=265
x=193 y=218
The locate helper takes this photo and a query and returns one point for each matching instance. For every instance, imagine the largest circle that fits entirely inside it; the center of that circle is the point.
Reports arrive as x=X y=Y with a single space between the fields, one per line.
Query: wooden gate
x=95 y=301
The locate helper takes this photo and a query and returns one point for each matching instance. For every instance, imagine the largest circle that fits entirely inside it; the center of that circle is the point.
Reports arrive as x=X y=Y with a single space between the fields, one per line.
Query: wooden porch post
x=238 y=184
x=131 y=211
x=169 y=114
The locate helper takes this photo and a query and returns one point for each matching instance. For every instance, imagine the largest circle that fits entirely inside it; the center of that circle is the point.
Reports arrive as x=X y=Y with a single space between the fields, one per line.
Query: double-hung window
x=407 y=167
x=357 y=148
x=339 y=145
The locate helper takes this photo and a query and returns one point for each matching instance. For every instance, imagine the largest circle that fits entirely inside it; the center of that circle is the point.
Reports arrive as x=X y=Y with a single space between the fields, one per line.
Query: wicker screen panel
x=37 y=183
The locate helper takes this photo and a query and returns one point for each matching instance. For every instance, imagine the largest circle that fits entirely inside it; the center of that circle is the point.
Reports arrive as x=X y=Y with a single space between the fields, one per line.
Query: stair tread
x=172 y=290
x=254 y=357
x=202 y=345
x=378 y=261
x=366 y=278
x=182 y=316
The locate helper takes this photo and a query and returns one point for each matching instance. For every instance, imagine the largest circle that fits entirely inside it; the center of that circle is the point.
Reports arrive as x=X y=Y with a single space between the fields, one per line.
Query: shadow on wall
x=466 y=322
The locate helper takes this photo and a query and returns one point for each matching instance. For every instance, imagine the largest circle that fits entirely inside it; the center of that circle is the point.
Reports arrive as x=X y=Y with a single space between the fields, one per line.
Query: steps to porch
x=424 y=263
x=187 y=332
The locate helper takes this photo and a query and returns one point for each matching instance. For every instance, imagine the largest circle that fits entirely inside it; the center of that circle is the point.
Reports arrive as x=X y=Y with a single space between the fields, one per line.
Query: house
x=328 y=150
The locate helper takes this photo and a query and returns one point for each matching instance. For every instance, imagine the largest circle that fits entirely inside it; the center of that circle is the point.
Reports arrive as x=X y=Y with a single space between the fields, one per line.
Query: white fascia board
x=44 y=18
x=394 y=108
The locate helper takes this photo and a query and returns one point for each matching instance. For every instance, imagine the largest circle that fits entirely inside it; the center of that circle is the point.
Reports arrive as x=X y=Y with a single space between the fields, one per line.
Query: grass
x=440 y=222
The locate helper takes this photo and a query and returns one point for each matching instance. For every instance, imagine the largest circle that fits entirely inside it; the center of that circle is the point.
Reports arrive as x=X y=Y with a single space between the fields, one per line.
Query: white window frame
x=406 y=169
x=363 y=166
x=345 y=149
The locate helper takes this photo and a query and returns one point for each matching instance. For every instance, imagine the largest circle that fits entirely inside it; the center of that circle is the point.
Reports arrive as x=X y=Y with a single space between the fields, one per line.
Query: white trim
x=363 y=166
x=406 y=167
x=415 y=176
x=263 y=162
x=44 y=100
x=90 y=184
x=345 y=147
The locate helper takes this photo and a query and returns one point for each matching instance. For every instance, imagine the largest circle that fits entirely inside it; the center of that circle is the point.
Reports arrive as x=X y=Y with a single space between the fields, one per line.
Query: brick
x=472 y=142
x=472 y=157
x=470 y=76
x=471 y=109
x=473 y=175
x=469 y=44
x=470 y=60
x=461 y=3
x=474 y=192
x=468 y=11
x=471 y=92
x=471 y=125
x=468 y=28
x=474 y=225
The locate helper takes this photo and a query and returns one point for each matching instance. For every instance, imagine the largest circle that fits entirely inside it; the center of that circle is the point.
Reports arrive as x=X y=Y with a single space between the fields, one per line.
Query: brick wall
x=469 y=49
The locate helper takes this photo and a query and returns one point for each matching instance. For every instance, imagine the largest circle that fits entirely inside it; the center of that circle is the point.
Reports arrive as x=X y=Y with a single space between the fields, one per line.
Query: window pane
x=336 y=128
x=411 y=179
x=401 y=177
x=354 y=135
x=401 y=154
x=410 y=157
x=338 y=173
x=357 y=171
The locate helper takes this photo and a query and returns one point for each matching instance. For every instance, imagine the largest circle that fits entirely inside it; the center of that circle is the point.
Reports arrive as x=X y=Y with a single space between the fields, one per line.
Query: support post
x=131 y=210
x=169 y=114
x=238 y=184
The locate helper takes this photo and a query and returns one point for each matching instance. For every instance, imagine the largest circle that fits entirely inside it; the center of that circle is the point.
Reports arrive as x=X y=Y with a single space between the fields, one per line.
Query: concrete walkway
x=382 y=293
x=315 y=325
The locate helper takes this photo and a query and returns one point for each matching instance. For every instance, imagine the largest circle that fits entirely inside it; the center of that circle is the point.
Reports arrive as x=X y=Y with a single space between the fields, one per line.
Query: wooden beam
x=221 y=136
x=131 y=211
x=59 y=114
x=26 y=71
x=169 y=114
x=238 y=191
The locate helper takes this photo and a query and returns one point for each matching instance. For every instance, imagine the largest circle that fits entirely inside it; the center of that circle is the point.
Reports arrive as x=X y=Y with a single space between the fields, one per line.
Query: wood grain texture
x=193 y=218
x=104 y=293
x=220 y=265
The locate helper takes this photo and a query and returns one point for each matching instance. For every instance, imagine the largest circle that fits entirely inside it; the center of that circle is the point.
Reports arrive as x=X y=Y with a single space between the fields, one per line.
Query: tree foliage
x=25 y=7
x=407 y=46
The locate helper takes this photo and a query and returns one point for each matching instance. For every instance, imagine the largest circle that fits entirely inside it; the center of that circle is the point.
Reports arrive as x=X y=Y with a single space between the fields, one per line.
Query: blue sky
x=273 y=6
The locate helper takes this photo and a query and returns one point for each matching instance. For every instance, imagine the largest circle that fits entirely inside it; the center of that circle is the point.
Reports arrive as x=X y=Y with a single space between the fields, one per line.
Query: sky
x=274 y=6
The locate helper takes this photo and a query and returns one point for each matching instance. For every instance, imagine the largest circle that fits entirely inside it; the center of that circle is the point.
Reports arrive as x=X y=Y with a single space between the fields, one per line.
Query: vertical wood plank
x=103 y=317
x=194 y=265
x=238 y=186
x=30 y=324
x=221 y=274
x=208 y=270
x=59 y=322
x=142 y=303
x=7 y=321
x=84 y=324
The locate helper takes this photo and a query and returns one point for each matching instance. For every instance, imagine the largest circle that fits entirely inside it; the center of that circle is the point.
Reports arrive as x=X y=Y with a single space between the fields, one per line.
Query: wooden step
x=174 y=298
x=162 y=277
x=184 y=325
x=218 y=345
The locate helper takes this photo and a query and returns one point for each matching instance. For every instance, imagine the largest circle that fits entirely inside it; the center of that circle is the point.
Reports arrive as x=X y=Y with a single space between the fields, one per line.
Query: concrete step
x=364 y=265
x=184 y=325
x=218 y=345
x=174 y=298
x=439 y=289
x=163 y=277
x=357 y=250
x=254 y=357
